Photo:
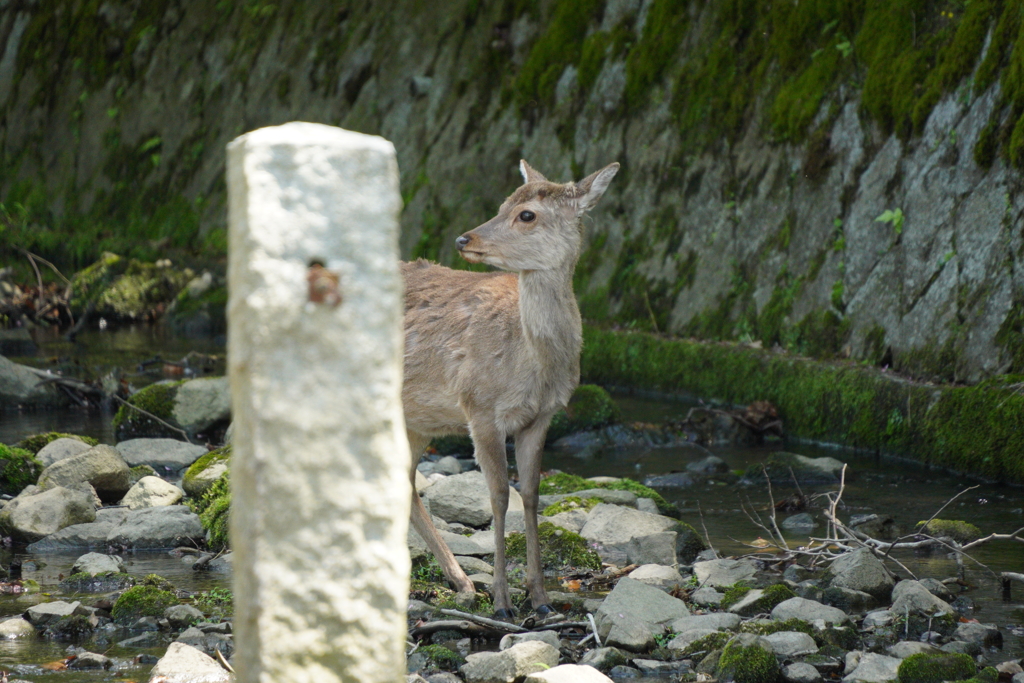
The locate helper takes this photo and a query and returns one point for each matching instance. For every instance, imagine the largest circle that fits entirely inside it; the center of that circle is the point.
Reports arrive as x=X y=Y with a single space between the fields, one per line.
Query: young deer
x=498 y=354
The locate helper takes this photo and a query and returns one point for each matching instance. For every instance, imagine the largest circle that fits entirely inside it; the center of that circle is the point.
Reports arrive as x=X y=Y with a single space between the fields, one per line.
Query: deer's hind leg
x=422 y=523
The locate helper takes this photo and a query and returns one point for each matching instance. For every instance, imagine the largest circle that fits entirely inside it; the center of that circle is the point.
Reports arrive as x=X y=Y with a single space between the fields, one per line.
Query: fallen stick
x=493 y=623
x=462 y=626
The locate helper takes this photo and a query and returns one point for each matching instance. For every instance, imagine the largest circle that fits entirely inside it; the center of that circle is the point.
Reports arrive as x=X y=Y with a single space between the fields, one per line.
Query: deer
x=497 y=354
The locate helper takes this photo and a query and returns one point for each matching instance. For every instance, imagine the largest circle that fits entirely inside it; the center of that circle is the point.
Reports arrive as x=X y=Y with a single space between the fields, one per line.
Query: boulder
x=36 y=514
x=182 y=616
x=910 y=596
x=659 y=576
x=202 y=403
x=808 y=610
x=721 y=573
x=87 y=535
x=150 y=492
x=748 y=658
x=24 y=386
x=15 y=628
x=716 y=621
x=604 y=658
x=985 y=635
x=877 y=619
x=160 y=454
x=209 y=643
x=465 y=498
x=569 y=673
x=572 y=520
x=614 y=527
x=162 y=527
x=59 y=449
x=872 y=668
x=706 y=597
x=185 y=664
x=633 y=610
x=101 y=466
x=513 y=639
x=46 y=613
x=790 y=644
x=653 y=549
x=860 y=570
x=688 y=637
x=800 y=672
x=96 y=563
x=510 y=665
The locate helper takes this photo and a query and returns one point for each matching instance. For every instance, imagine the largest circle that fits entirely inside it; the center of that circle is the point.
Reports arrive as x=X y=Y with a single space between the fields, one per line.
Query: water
x=908 y=491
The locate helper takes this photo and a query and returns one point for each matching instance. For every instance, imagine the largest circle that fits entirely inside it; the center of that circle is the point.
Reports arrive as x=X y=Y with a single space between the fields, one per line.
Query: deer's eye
x=527 y=216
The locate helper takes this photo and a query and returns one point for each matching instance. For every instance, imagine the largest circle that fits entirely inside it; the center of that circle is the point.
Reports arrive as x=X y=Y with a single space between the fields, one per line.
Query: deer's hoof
x=544 y=610
x=504 y=614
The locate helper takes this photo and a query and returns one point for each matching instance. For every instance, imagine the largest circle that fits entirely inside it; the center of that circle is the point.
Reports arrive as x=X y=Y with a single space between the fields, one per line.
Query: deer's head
x=538 y=227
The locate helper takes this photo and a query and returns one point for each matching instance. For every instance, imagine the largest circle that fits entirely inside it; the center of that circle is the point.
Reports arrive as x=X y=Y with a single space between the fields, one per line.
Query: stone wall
x=746 y=209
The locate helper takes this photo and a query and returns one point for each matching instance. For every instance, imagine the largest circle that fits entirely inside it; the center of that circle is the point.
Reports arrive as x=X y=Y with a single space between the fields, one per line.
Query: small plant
x=216 y=602
x=895 y=217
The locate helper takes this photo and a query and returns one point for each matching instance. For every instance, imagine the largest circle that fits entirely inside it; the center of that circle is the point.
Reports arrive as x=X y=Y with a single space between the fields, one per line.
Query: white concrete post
x=320 y=469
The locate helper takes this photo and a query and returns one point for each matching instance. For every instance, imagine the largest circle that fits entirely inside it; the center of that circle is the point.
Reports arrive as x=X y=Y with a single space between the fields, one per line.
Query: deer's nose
x=461 y=242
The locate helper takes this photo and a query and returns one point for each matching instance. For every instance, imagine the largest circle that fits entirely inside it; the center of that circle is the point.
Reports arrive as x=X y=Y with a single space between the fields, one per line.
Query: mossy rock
x=745 y=662
x=935 y=667
x=571 y=483
x=708 y=643
x=559 y=548
x=443 y=658
x=197 y=480
x=214 y=510
x=104 y=582
x=142 y=601
x=766 y=628
x=590 y=407
x=734 y=595
x=569 y=504
x=89 y=283
x=18 y=469
x=156 y=399
x=73 y=627
x=138 y=472
x=770 y=597
x=987 y=675
x=141 y=292
x=38 y=442
x=959 y=531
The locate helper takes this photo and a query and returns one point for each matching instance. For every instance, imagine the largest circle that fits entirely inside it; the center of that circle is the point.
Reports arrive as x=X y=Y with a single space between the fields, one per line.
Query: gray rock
x=185 y=664
x=568 y=673
x=862 y=571
x=146 y=639
x=789 y=644
x=89 y=535
x=799 y=672
x=692 y=635
x=706 y=597
x=209 y=643
x=675 y=480
x=465 y=498
x=510 y=665
x=150 y=492
x=573 y=520
x=182 y=616
x=712 y=464
x=90 y=660
x=873 y=668
x=463 y=545
x=46 y=613
x=808 y=610
x=604 y=658
x=846 y=599
x=15 y=628
x=905 y=648
x=512 y=639
x=782 y=467
x=632 y=606
x=878 y=619
x=720 y=573
x=96 y=563
x=160 y=454
x=797 y=573
x=162 y=527
x=38 y=514
x=747 y=605
x=961 y=647
x=659 y=576
x=656 y=549
x=716 y=621
x=985 y=635
x=59 y=449
x=655 y=667
x=100 y=466
x=800 y=522
x=202 y=403
x=613 y=526
x=24 y=386
x=609 y=496
x=910 y=596
x=647 y=505
x=623 y=672
x=473 y=565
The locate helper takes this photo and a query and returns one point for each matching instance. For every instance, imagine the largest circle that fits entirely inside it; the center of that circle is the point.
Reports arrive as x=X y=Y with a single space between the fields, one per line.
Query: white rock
x=150 y=492
x=17 y=627
x=96 y=563
x=569 y=673
x=510 y=665
x=659 y=576
x=185 y=664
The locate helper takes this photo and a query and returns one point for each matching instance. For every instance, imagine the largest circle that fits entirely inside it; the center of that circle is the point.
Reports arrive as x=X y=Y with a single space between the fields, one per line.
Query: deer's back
x=464 y=346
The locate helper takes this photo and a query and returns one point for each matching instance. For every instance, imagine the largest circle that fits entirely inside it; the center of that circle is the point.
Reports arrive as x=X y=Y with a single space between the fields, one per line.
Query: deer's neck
x=550 y=317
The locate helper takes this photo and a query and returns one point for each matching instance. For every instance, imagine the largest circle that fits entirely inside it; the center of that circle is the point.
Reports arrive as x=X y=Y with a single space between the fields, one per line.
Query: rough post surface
x=320 y=471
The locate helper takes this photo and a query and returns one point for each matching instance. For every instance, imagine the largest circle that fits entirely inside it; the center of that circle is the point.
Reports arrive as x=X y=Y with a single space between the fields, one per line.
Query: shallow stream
x=905 y=490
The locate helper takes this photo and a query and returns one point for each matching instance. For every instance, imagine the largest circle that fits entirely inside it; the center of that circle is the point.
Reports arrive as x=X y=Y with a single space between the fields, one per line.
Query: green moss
x=141 y=601
x=443 y=658
x=140 y=471
x=1010 y=336
x=141 y=291
x=734 y=595
x=18 y=469
x=987 y=675
x=977 y=429
x=37 y=442
x=766 y=628
x=653 y=53
x=961 y=532
x=569 y=504
x=190 y=481
x=771 y=597
x=157 y=399
x=747 y=664
x=935 y=668
x=559 y=548
x=214 y=510
x=215 y=603
x=570 y=483
x=564 y=483
x=590 y=407
x=708 y=643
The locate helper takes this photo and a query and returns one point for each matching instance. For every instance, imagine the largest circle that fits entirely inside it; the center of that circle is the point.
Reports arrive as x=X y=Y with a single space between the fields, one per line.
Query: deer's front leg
x=489 y=447
x=529 y=449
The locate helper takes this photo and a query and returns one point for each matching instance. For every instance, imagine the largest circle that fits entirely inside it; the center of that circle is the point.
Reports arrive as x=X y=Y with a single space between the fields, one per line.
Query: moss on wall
x=975 y=429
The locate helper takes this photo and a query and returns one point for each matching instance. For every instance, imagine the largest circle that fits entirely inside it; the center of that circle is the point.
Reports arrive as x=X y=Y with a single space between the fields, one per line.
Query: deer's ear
x=591 y=188
x=530 y=174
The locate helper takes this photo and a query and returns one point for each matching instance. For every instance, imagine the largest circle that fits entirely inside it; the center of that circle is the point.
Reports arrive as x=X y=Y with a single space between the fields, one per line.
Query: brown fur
x=497 y=354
